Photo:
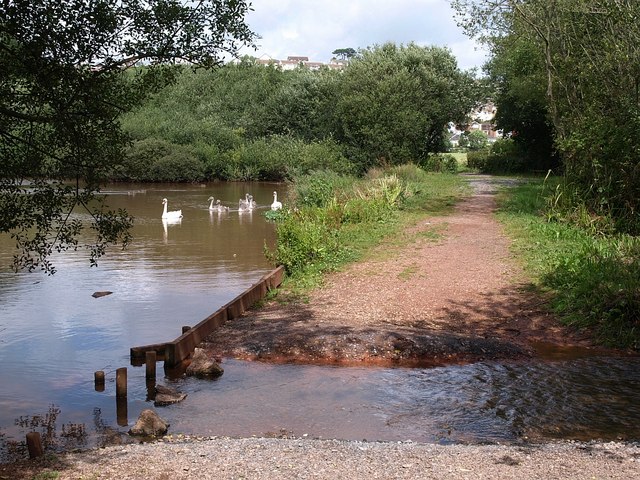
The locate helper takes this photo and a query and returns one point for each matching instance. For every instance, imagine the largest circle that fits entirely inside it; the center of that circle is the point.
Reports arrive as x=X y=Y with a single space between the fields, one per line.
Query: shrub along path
x=446 y=290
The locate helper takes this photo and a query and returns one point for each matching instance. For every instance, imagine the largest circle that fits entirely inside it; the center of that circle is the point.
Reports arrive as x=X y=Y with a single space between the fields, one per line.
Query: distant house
x=267 y=60
x=297 y=59
x=336 y=64
x=292 y=62
x=480 y=119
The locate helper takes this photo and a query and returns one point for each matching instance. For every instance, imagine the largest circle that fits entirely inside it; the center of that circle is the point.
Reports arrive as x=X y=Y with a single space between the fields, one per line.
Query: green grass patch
x=593 y=281
x=408 y=273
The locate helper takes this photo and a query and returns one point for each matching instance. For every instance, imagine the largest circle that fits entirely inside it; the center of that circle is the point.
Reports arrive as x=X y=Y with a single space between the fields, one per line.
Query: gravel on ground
x=275 y=458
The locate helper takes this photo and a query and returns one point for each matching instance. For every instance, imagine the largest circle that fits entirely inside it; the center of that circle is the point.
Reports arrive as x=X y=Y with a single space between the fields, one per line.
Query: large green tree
x=589 y=52
x=517 y=75
x=68 y=70
x=396 y=101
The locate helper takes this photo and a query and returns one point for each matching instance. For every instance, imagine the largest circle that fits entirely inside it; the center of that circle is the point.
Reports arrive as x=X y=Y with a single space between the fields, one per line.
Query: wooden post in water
x=34 y=445
x=121 y=382
x=150 y=359
x=151 y=390
x=122 y=411
x=99 y=381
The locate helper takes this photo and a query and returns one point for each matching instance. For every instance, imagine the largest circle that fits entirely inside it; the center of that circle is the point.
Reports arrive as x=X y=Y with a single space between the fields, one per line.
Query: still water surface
x=54 y=335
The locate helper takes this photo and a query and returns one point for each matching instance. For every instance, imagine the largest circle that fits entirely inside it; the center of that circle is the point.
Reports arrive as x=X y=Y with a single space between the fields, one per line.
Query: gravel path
x=444 y=291
x=260 y=458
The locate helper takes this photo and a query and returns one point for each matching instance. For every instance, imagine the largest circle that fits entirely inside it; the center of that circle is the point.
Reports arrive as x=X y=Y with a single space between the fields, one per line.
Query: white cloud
x=315 y=28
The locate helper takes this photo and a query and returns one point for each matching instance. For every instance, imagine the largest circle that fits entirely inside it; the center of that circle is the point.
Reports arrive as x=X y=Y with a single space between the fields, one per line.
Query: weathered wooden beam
x=176 y=351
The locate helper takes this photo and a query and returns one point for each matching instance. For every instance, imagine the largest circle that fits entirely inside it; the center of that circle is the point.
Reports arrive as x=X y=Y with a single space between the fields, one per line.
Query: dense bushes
x=326 y=208
x=319 y=188
x=503 y=157
x=277 y=158
x=440 y=162
x=154 y=160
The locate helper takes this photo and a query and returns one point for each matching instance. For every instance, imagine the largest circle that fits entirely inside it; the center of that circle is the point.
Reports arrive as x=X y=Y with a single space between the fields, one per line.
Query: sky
x=315 y=28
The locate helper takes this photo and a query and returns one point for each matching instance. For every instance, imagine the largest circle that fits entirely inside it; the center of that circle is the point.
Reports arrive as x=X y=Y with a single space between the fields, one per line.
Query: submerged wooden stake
x=122 y=411
x=34 y=445
x=99 y=381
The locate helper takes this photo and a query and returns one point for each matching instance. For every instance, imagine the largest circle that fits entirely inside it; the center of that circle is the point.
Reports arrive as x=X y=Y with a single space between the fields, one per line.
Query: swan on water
x=276 y=205
x=170 y=215
x=246 y=204
x=243 y=206
x=218 y=207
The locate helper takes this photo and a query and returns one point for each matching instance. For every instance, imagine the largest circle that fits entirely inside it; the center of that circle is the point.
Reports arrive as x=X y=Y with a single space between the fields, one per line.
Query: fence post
x=150 y=359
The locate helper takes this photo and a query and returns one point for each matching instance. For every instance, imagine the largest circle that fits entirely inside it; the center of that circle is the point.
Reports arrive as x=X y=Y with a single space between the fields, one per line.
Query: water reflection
x=165 y=224
x=217 y=217
x=245 y=216
x=54 y=335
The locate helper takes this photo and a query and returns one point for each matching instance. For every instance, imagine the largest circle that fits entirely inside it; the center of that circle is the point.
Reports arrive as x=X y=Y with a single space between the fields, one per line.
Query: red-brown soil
x=447 y=290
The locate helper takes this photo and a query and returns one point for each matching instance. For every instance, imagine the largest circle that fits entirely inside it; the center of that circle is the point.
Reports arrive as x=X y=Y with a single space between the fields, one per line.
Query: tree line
x=245 y=121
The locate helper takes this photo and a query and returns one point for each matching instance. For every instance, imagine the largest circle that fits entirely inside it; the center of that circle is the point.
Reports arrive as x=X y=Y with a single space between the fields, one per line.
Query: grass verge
x=593 y=280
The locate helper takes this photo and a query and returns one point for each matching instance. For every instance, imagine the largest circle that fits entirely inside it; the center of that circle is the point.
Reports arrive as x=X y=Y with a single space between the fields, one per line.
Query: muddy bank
x=293 y=340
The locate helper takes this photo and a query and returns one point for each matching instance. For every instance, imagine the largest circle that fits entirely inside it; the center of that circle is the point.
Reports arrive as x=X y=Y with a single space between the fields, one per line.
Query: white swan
x=246 y=204
x=170 y=215
x=218 y=207
x=276 y=205
x=243 y=206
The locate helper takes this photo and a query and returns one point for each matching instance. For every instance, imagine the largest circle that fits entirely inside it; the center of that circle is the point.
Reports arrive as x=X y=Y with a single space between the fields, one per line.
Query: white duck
x=170 y=215
x=276 y=205
x=218 y=207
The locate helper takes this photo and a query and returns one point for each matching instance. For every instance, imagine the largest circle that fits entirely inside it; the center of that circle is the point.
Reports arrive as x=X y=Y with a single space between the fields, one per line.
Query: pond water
x=54 y=335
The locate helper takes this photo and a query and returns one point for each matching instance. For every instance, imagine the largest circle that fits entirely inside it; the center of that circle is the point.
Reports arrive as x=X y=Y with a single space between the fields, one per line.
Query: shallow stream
x=54 y=335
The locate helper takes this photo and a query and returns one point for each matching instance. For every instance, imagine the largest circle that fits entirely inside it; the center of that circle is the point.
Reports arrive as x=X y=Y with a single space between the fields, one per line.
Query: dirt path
x=447 y=291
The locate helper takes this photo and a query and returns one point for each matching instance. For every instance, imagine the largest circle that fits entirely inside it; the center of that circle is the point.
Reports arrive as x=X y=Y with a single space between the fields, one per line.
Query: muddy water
x=54 y=335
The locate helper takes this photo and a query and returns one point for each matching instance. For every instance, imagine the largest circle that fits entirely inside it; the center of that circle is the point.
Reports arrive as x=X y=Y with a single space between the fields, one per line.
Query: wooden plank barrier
x=176 y=351
x=186 y=343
